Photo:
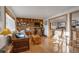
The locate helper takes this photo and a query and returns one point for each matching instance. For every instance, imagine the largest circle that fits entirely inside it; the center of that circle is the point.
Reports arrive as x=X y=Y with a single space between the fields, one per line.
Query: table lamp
x=5 y=31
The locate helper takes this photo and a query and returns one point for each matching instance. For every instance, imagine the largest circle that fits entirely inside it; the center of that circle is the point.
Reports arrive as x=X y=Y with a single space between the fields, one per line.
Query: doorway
x=58 y=36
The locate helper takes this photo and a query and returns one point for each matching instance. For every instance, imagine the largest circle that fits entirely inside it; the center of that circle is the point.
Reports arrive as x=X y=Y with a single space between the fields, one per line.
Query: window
x=10 y=23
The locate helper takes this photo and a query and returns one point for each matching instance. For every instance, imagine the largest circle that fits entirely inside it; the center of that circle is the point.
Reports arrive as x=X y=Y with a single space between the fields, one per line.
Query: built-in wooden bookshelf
x=24 y=23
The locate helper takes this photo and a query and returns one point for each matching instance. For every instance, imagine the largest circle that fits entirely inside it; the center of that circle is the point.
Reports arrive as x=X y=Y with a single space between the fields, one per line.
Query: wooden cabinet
x=20 y=45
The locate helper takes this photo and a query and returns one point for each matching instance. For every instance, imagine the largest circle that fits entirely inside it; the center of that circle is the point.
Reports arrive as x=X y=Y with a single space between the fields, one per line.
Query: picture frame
x=61 y=25
x=73 y=23
x=77 y=22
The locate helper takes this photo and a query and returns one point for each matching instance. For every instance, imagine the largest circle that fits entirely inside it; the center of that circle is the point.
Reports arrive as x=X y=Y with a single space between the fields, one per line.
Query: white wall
x=2 y=20
x=3 y=41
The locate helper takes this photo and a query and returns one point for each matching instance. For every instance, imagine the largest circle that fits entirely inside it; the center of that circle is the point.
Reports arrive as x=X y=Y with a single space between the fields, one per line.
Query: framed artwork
x=61 y=25
x=77 y=22
x=73 y=23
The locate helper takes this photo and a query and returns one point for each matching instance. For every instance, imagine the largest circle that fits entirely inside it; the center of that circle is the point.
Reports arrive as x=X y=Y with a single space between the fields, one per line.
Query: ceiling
x=38 y=11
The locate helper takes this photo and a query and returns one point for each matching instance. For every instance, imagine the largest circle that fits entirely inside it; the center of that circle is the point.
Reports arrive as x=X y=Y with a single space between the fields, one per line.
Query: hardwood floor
x=44 y=47
x=41 y=48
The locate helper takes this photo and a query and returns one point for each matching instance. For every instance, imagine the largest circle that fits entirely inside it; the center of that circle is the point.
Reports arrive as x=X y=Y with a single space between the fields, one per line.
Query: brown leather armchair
x=36 y=39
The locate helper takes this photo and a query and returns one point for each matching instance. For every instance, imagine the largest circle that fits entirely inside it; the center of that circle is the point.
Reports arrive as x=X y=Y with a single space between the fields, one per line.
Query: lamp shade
x=5 y=31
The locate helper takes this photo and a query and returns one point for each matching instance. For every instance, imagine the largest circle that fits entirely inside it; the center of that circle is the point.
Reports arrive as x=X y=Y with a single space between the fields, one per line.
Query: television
x=37 y=24
x=20 y=35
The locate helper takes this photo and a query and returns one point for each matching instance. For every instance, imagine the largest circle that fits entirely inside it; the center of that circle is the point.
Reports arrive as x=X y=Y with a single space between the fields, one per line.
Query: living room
x=32 y=29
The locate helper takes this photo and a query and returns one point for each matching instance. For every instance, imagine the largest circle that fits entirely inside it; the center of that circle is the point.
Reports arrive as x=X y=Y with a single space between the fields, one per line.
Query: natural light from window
x=10 y=23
